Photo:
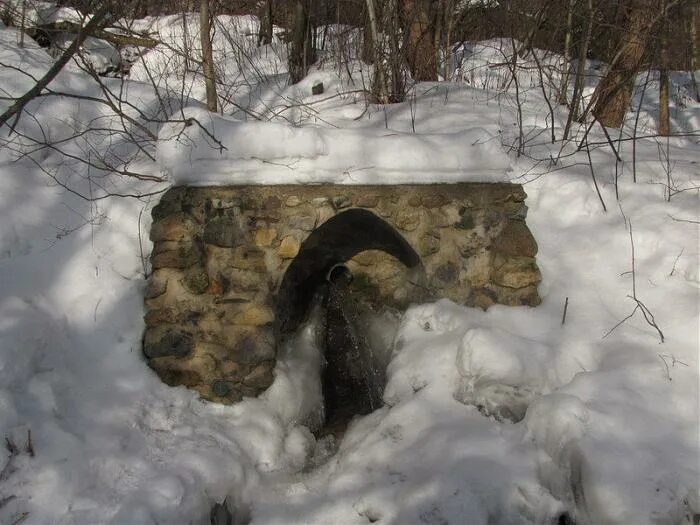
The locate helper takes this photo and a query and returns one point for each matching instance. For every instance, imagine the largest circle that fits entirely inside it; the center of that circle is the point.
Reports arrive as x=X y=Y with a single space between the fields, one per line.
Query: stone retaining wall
x=220 y=254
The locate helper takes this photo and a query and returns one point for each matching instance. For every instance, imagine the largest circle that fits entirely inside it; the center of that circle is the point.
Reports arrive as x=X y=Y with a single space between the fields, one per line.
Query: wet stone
x=292 y=201
x=265 y=236
x=271 y=203
x=289 y=247
x=255 y=315
x=515 y=272
x=447 y=272
x=492 y=219
x=434 y=201
x=407 y=220
x=174 y=343
x=170 y=204
x=261 y=376
x=367 y=201
x=222 y=388
x=466 y=220
x=175 y=255
x=516 y=239
x=196 y=280
x=250 y=350
x=252 y=259
x=302 y=222
x=156 y=286
x=516 y=211
x=159 y=316
x=341 y=201
x=177 y=227
x=429 y=245
x=221 y=231
x=177 y=377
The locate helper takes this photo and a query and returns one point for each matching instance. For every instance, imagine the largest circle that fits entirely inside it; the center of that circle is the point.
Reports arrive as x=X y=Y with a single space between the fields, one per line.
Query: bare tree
x=694 y=54
x=301 y=53
x=580 y=70
x=388 y=85
x=265 y=34
x=207 y=55
x=420 y=41
x=567 y=53
x=614 y=92
x=664 y=128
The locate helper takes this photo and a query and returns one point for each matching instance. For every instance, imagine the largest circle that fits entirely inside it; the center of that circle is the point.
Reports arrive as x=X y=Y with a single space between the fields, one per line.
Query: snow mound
x=99 y=54
x=199 y=148
x=501 y=373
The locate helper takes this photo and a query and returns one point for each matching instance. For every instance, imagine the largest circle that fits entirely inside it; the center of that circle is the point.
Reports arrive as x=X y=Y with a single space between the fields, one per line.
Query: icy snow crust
x=609 y=422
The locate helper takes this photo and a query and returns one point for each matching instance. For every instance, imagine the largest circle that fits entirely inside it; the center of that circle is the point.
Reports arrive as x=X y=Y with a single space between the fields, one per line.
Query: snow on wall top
x=217 y=150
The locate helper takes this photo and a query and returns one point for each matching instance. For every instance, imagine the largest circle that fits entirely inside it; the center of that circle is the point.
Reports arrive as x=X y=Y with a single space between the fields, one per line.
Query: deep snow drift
x=499 y=417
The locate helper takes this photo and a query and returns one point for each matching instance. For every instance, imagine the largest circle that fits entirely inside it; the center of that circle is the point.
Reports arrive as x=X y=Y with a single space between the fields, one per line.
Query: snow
x=38 y=12
x=219 y=150
x=507 y=416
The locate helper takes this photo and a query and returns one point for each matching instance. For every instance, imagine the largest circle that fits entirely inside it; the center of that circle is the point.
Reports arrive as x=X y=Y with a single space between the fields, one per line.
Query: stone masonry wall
x=220 y=253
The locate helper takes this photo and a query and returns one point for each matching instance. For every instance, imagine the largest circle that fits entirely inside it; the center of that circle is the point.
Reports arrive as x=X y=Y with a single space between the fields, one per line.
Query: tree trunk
x=185 y=41
x=450 y=24
x=207 y=55
x=301 y=52
x=367 y=53
x=420 y=46
x=614 y=92
x=439 y=24
x=380 y=85
x=265 y=34
x=564 y=86
x=694 y=54
x=389 y=56
x=540 y=18
x=23 y=15
x=664 y=117
x=580 y=72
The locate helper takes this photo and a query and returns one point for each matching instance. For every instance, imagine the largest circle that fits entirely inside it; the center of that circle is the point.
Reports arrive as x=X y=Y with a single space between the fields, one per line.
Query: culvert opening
x=356 y=326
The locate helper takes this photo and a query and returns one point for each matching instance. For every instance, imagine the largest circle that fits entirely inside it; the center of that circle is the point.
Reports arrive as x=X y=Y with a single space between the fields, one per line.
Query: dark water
x=353 y=378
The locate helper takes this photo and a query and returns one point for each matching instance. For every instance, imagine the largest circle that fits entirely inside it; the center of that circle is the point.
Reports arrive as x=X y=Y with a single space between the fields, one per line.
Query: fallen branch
x=118 y=39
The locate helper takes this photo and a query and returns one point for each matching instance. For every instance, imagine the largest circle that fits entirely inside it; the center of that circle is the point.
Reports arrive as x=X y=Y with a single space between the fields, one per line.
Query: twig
x=663 y=358
x=676 y=262
x=8 y=469
x=634 y=274
x=620 y=323
x=668 y=371
x=11 y=447
x=683 y=220
x=563 y=317
x=636 y=124
x=141 y=254
x=595 y=182
x=649 y=317
x=639 y=305
x=5 y=501
x=29 y=445
x=23 y=516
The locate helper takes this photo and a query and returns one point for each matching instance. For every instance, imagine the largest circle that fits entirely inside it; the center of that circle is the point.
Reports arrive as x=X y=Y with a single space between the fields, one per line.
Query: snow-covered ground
x=507 y=416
